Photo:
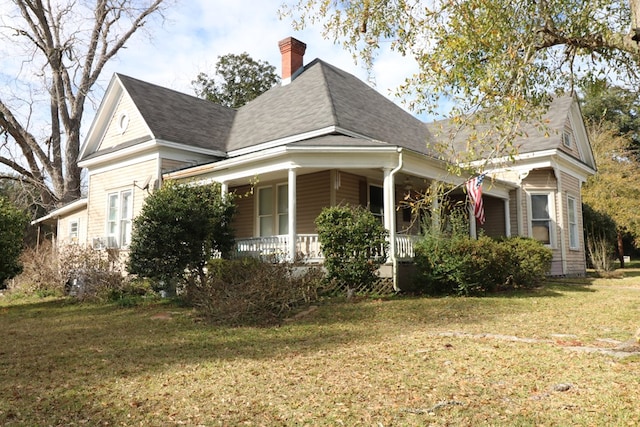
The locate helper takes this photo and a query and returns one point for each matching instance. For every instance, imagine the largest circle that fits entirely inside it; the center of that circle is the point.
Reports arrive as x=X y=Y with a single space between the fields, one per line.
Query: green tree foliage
x=600 y=237
x=603 y=102
x=613 y=123
x=12 y=228
x=354 y=245
x=494 y=59
x=238 y=80
x=179 y=229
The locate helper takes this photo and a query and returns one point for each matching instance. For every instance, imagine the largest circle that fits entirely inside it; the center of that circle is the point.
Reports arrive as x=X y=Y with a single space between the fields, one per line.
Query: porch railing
x=276 y=248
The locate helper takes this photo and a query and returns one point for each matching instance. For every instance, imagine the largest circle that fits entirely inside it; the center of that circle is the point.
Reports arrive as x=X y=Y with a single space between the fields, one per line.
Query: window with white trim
x=273 y=210
x=119 y=216
x=74 y=226
x=572 y=209
x=567 y=137
x=541 y=223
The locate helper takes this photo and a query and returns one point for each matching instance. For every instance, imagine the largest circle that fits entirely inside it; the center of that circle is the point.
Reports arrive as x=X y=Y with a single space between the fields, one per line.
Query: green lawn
x=506 y=360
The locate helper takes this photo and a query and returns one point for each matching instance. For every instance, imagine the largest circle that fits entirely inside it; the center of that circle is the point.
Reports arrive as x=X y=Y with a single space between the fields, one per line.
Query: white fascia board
x=225 y=164
x=191 y=149
x=295 y=138
x=280 y=159
x=146 y=146
x=250 y=171
x=114 y=156
x=123 y=163
x=103 y=116
x=78 y=204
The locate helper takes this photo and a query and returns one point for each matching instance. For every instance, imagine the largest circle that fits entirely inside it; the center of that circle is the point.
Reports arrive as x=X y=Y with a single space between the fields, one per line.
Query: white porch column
x=390 y=210
x=291 y=185
x=224 y=189
x=507 y=218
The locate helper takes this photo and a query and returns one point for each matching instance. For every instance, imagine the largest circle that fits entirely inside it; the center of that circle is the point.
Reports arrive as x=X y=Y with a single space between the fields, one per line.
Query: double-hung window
x=119 y=216
x=541 y=224
x=273 y=210
x=572 y=208
x=73 y=230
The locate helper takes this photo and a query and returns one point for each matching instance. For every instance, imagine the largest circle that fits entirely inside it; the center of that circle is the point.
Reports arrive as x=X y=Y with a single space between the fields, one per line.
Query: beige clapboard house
x=320 y=138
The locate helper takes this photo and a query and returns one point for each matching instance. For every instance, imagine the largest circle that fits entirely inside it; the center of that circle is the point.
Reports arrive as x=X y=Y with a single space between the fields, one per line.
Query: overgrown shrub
x=40 y=273
x=354 y=245
x=463 y=266
x=78 y=271
x=249 y=291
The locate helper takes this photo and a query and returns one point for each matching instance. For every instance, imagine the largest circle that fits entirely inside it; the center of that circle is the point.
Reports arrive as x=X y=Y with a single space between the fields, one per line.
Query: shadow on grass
x=57 y=356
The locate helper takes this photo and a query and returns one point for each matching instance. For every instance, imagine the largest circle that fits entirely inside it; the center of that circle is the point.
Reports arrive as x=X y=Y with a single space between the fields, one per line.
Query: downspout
x=392 y=222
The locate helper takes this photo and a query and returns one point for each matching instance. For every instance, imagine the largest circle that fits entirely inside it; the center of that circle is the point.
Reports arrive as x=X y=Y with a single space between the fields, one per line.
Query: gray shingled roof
x=539 y=135
x=324 y=96
x=178 y=117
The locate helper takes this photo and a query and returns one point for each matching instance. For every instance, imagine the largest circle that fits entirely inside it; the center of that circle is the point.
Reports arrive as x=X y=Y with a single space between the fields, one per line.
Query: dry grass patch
x=395 y=362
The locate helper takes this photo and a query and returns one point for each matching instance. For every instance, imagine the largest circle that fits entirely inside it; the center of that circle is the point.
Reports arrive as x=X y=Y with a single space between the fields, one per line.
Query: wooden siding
x=573 y=149
x=313 y=194
x=135 y=129
x=101 y=184
x=575 y=258
x=64 y=223
x=544 y=180
x=244 y=220
x=348 y=191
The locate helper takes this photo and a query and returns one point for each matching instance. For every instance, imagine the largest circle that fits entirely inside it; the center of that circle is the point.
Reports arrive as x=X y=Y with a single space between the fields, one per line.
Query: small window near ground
x=572 y=208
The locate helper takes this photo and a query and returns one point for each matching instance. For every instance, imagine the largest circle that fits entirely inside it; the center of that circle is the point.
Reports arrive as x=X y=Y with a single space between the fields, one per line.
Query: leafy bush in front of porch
x=248 y=291
x=460 y=265
x=354 y=245
x=180 y=228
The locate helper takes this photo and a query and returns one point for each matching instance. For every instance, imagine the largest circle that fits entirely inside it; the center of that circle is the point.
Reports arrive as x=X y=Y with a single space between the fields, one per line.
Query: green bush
x=12 y=228
x=354 y=245
x=180 y=228
x=527 y=261
x=250 y=291
x=464 y=266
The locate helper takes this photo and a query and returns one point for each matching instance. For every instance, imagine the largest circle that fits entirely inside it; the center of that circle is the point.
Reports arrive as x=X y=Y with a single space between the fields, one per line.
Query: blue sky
x=194 y=35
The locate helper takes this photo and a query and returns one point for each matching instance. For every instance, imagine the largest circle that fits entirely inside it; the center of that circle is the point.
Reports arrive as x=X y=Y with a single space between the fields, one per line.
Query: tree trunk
x=620 y=249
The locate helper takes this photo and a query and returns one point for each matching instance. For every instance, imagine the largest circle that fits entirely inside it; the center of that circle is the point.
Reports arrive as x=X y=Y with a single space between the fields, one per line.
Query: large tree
x=238 y=79
x=63 y=47
x=613 y=122
x=499 y=57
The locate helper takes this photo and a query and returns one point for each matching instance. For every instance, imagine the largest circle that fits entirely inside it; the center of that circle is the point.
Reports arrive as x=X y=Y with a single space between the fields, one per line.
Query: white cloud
x=192 y=38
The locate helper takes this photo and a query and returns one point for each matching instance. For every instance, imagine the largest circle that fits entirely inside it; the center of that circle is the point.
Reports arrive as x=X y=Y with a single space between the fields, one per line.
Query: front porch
x=308 y=249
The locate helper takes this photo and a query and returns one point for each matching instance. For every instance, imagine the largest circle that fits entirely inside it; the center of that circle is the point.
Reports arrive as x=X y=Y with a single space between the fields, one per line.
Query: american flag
x=474 y=190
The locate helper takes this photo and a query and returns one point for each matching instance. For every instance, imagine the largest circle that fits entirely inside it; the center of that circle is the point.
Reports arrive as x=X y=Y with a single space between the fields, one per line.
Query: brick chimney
x=292 y=51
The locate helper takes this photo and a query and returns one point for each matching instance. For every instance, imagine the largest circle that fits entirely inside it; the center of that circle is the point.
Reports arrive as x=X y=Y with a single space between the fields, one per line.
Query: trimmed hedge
x=463 y=266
